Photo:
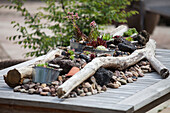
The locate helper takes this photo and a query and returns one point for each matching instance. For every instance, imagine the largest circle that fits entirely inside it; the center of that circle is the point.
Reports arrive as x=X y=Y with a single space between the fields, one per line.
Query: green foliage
x=129 y=39
x=86 y=52
x=130 y=32
x=106 y=37
x=52 y=17
x=70 y=52
x=72 y=57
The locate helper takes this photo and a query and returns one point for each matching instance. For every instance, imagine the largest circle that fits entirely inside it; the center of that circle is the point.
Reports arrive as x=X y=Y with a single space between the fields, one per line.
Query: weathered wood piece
x=15 y=76
x=113 y=62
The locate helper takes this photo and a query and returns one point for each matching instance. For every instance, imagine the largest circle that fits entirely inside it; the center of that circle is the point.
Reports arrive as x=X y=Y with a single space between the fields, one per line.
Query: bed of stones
x=98 y=83
x=71 y=62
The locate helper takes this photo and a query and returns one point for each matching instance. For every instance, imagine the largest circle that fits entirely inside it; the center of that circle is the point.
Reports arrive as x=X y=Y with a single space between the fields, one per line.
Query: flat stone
x=87 y=85
x=123 y=82
x=94 y=92
x=99 y=88
x=112 y=85
x=16 y=89
x=26 y=80
x=23 y=91
x=104 y=88
x=43 y=85
x=31 y=91
x=44 y=93
x=85 y=90
x=55 y=83
x=31 y=85
x=88 y=93
x=52 y=90
x=82 y=94
x=117 y=82
x=129 y=80
x=46 y=89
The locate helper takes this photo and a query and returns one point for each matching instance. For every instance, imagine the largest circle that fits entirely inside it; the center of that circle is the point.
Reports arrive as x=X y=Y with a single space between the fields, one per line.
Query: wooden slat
x=149 y=94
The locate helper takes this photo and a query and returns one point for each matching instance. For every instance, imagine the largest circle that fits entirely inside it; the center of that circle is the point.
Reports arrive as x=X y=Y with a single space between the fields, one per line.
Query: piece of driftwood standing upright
x=114 y=62
x=15 y=76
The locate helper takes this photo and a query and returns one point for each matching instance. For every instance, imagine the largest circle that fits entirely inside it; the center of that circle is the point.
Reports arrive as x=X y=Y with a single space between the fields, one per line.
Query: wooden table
x=140 y=96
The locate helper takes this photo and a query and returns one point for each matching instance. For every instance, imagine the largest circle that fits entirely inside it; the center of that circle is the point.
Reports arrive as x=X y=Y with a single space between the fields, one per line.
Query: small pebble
x=31 y=91
x=43 y=85
x=52 y=90
x=37 y=91
x=87 y=85
x=54 y=94
x=82 y=94
x=60 y=78
x=55 y=83
x=23 y=91
x=99 y=88
x=111 y=85
x=16 y=89
x=135 y=73
x=26 y=80
x=48 y=94
x=46 y=89
x=31 y=85
x=25 y=86
x=85 y=90
x=134 y=78
x=94 y=92
x=93 y=86
x=129 y=80
x=88 y=93
x=123 y=82
x=117 y=82
x=104 y=88
x=80 y=91
x=44 y=93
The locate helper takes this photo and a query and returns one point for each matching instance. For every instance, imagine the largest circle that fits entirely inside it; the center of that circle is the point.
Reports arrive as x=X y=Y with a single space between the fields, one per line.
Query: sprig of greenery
x=33 y=36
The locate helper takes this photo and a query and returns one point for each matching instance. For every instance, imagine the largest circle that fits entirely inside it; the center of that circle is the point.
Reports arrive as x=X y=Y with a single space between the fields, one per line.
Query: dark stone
x=66 y=65
x=64 y=53
x=109 y=42
x=117 y=41
x=103 y=76
x=142 y=37
x=87 y=59
x=126 y=48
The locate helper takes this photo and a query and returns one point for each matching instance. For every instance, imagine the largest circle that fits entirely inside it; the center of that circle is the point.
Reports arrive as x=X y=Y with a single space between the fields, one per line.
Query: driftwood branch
x=15 y=76
x=113 y=62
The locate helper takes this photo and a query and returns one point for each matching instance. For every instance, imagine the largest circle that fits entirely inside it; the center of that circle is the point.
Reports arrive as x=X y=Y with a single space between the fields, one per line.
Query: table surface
x=127 y=98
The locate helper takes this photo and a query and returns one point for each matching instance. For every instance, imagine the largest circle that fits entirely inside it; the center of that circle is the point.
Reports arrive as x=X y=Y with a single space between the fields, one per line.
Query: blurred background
x=154 y=16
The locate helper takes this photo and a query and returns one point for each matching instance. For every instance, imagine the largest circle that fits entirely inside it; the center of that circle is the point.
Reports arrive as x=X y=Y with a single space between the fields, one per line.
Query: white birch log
x=112 y=62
